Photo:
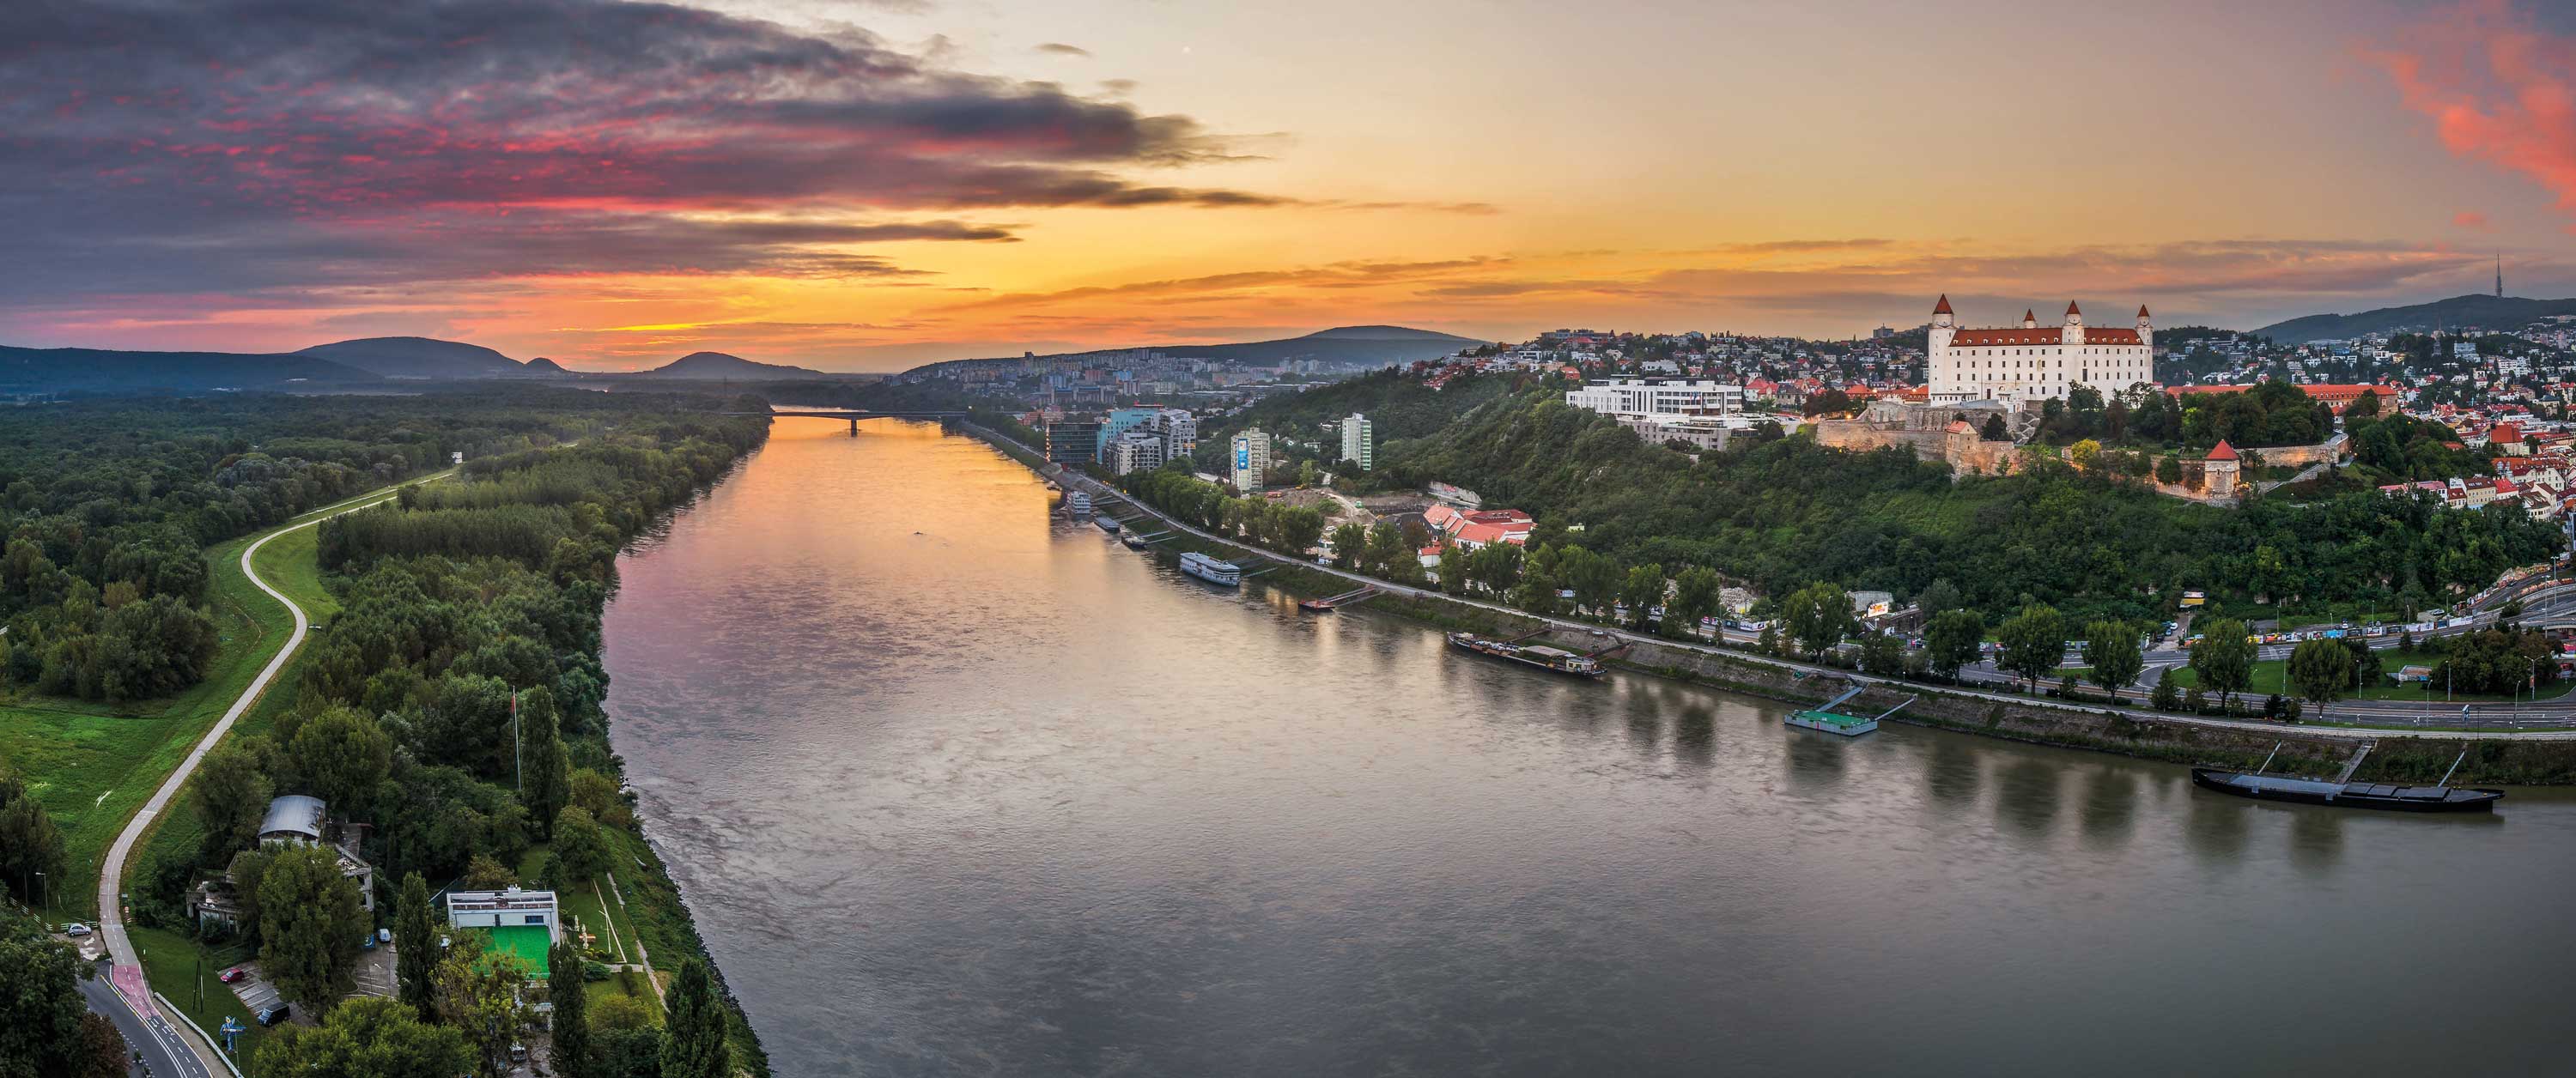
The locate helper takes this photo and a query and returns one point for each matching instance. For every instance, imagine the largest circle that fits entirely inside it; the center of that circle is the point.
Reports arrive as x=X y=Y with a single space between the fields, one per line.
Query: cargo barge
x=2368 y=795
x=1556 y=660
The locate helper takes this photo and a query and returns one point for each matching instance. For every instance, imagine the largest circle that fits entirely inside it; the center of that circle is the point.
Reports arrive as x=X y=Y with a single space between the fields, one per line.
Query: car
x=384 y=935
x=75 y=930
x=234 y=974
x=367 y=942
x=269 y=1016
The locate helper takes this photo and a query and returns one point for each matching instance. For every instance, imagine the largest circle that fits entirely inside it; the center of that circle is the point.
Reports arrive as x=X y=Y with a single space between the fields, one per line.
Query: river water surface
x=955 y=787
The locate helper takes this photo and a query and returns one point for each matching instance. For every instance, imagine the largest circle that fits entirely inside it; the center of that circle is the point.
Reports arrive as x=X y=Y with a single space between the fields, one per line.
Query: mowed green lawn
x=92 y=765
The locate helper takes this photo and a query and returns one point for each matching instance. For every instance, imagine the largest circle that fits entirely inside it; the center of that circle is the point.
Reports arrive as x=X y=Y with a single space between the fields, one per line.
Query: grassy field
x=172 y=963
x=290 y=563
x=2270 y=676
x=93 y=764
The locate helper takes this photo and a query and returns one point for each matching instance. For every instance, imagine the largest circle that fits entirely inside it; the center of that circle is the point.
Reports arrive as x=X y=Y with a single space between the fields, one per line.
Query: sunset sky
x=864 y=186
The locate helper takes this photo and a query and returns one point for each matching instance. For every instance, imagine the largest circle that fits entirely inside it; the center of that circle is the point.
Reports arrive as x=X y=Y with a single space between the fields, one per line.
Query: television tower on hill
x=2499 y=275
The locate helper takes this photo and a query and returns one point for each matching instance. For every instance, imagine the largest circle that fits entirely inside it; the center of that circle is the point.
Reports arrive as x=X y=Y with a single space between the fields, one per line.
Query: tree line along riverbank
x=2399 y=757
x=449 y=700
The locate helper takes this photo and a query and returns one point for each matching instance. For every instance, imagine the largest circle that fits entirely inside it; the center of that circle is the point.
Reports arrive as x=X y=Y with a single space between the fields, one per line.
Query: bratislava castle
x=2031 y=362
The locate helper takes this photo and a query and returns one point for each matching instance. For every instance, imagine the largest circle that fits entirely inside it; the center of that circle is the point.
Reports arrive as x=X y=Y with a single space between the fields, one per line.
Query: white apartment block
x=1359 y=441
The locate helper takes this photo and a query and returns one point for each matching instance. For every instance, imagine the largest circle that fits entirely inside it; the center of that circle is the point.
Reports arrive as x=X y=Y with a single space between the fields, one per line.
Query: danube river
x=956 y=787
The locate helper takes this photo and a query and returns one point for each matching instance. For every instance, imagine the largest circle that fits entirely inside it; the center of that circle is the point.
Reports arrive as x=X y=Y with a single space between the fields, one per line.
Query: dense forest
x=451 y=704
x=1785 y=513
x=1400 y=408
x=107 y=509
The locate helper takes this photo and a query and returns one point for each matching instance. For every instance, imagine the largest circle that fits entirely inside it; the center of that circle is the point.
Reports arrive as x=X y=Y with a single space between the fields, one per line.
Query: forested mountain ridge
x=2488 y=312
x=98 y=370
x=418 y=357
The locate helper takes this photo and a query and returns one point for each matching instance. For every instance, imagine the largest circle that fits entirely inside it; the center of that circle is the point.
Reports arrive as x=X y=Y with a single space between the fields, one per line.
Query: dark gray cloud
x=1061 y=49
x=189 y=145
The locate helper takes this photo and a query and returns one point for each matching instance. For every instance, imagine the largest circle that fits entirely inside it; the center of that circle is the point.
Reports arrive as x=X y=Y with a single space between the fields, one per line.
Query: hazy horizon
x=871 y=187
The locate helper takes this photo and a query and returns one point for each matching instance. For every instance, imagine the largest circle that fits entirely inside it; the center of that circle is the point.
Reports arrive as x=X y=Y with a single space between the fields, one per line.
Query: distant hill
x=1381 y=333
x=541 y=367
x=1362 y=345
x=2485 y=312
x=714 y=366
x=93 y=370
x=418 y=357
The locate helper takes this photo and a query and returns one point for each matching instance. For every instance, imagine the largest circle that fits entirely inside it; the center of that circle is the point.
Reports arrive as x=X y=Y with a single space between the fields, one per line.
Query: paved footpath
x=127 y=970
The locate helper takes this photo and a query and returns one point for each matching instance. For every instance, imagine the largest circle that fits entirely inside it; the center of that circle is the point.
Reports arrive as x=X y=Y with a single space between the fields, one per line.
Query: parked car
x=269 y=1016
x=234 y=974
x=367 y=942
x=75 y=930
x=384 y=935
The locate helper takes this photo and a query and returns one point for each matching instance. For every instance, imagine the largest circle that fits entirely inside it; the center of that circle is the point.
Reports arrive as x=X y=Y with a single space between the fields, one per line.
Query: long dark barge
x=2369 y=795
x=1554 y=660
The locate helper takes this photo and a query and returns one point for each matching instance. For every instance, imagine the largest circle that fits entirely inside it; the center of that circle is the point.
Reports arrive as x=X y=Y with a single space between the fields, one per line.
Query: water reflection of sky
x=956 y=787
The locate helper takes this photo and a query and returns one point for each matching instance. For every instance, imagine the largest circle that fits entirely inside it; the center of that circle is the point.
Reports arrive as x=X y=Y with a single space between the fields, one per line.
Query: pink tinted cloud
x=2469 y=219
x=2497 y=87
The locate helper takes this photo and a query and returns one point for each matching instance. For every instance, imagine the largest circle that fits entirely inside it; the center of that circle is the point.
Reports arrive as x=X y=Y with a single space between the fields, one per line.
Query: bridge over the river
x=854 y=415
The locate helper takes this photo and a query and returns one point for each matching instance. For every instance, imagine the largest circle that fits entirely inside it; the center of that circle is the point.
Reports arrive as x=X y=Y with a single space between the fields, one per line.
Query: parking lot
x=375 y=977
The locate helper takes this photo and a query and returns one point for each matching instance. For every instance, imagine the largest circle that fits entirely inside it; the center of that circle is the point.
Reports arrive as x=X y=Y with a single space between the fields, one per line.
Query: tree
x=628 y=1053
x=2367 y=668
x=545 y=776
x=416 y=947
x=1768 y=641
x=232 y=794
x=478 y=992
x=2169 y=470
x=247 y=870
x=2111 y=648
x=40 y=1002
x=2083 y=453
x=487 y=873
x=1350 y=541
x=1453 y=568
x=1641 y=592
x=368 y=1037
x=310 y=924
x=2166 y=698
x=2034 y=643
x=1882 y=654
x=29 y=844
x=1696 y=595
x=1952 y=641
x=102 y=1051
x=1994 y=430
x=1937 y=596
x=2321 y=670
x=342 y=754
x=580 y=846
x=2224 y=659
x=1595 y=579
x=571 y=1021
x=695 y=1027
x=1818 y=616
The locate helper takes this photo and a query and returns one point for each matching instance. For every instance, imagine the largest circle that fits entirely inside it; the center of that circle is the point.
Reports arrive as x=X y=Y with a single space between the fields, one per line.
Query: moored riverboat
x=2369 y=795
x=1107 y=524
x=1209 y=569
x=1557 y=660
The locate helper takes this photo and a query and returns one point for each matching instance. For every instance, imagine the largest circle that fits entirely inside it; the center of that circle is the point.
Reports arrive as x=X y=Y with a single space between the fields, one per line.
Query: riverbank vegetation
x=458 y=617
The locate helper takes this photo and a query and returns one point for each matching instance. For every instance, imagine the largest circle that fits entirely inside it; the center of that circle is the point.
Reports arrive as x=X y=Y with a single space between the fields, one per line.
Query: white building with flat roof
x=1641 y=397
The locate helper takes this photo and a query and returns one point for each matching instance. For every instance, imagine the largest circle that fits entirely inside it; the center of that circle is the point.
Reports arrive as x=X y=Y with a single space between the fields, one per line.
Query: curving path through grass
x=127 y=970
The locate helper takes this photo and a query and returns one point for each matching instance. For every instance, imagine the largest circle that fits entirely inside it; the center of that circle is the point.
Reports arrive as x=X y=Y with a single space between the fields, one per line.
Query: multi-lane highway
x=164 y=1053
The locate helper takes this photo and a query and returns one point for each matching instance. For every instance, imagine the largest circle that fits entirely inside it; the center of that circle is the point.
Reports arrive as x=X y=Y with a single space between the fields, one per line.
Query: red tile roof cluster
x=1482 y=526
x=1993 y=338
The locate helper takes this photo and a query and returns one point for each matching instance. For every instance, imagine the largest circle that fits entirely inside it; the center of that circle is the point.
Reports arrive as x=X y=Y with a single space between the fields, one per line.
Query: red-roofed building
x=2337 y=396
x=2030 y=362
x=1480 y=527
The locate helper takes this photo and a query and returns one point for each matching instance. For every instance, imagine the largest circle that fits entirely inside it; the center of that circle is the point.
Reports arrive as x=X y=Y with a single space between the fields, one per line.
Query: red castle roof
x=1942 y=307
x=2222 y=451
